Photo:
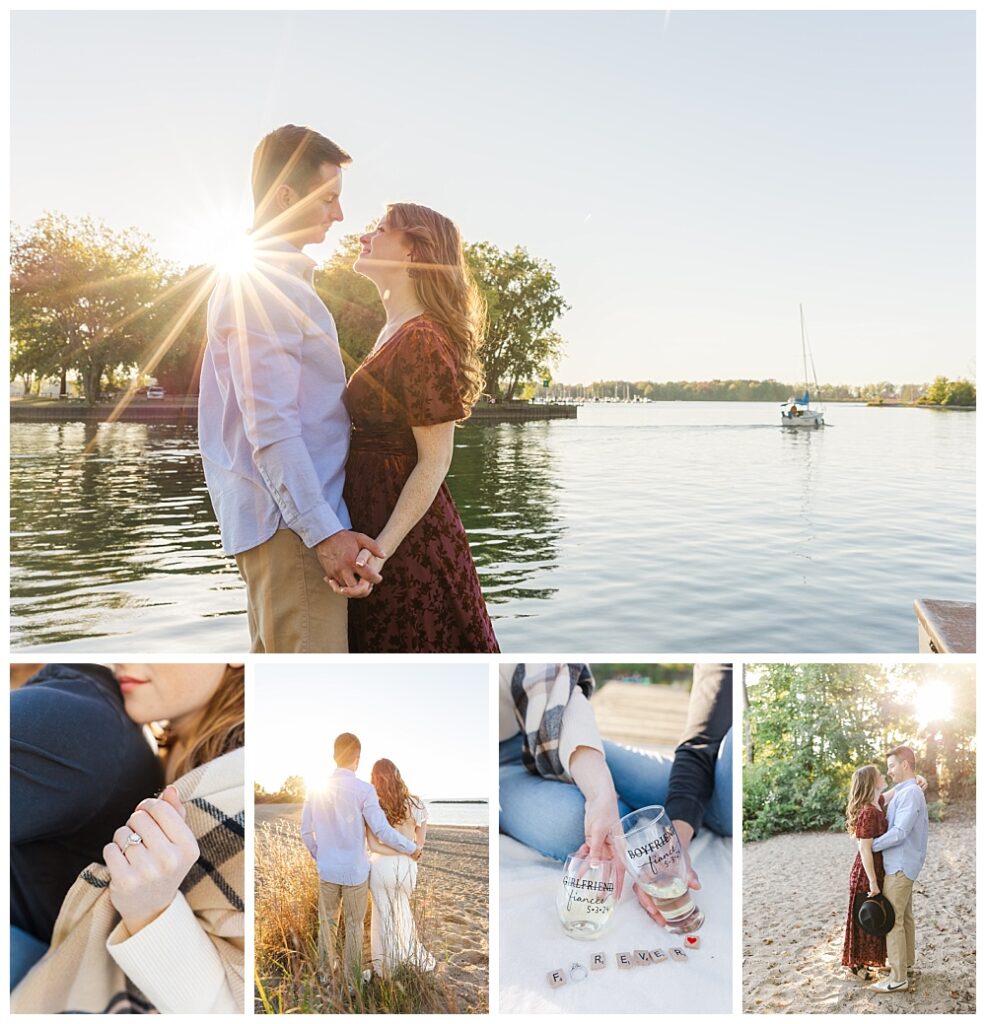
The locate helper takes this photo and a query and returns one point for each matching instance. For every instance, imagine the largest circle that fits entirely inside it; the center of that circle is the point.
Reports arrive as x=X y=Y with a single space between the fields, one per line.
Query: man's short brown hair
x=347 y=748
x=904 y=754
x=291 y=155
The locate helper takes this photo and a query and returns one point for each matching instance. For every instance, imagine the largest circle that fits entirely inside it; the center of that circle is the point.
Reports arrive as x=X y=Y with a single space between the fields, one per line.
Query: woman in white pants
x=393 y=875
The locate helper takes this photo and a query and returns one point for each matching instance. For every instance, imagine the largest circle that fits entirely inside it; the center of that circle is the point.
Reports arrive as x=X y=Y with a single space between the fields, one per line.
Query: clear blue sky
x=692 y=177
x=431 y=720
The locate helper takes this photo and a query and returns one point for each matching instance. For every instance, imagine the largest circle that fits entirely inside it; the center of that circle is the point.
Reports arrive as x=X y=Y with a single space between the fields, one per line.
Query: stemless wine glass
x=586 y=896
x=653 y=855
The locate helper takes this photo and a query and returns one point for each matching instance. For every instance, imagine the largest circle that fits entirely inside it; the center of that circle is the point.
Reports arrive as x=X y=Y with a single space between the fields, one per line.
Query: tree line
x=293 y=791
x=807 y=728
x=941 y=392
x=102 y=307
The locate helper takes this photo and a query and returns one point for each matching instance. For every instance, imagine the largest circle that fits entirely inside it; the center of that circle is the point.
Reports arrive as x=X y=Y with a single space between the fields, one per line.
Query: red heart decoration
x=691 y=940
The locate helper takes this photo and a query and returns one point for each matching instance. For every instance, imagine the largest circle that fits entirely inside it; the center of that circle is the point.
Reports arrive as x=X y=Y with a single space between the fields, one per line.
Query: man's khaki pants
x=353 y=901
x=900 y=942
x=290 y=607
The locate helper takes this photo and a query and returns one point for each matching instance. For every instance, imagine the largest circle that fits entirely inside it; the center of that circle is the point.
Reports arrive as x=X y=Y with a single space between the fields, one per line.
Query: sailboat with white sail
x=797 y=411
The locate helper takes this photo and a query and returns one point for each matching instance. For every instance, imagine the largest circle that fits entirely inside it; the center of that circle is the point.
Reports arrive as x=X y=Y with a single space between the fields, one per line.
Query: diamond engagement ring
x=134 y=839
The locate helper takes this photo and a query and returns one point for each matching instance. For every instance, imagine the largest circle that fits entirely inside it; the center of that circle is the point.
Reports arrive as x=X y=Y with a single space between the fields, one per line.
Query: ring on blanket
x=578 y=972
x=134 y=839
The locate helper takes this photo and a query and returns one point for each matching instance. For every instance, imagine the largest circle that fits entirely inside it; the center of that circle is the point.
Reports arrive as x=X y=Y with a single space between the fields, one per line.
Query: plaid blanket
x=77 y=975
x=540 y=695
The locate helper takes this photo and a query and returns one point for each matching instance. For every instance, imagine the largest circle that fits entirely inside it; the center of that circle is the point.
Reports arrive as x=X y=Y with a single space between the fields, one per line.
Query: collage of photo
x=454 y=372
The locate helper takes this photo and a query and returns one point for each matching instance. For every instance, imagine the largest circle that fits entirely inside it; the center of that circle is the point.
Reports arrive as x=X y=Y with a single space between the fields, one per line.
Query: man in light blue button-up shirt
x=333 y=827
x=273 y=426
x=904 y=847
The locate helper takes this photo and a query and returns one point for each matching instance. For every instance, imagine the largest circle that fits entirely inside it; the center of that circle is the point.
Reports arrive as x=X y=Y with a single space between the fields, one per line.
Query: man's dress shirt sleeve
x=265 y=347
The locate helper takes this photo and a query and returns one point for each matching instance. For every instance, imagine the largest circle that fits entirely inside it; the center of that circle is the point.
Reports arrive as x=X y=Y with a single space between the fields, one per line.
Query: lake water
x=669 y=527
x=458 y=814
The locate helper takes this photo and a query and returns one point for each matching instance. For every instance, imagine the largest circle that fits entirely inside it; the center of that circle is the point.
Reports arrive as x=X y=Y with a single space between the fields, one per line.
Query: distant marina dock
x=184 y=410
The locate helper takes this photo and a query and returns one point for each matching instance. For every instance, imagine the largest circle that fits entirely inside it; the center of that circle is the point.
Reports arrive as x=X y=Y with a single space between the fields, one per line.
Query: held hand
x=339 y=556
x=420 y=849
x=370 y=567
x=602 y=815
x=922 y=782
x=145 y=876
x=685 y=833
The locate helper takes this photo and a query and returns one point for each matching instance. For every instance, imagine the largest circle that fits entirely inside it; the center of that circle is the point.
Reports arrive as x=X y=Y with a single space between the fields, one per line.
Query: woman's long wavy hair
x=396 y=799
x=222 y=725
x=446 y=288
x=862 y=791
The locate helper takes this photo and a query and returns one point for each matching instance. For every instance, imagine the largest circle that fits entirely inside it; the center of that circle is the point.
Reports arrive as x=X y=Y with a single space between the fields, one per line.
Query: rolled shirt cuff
x=686 y=808
x=174 y=963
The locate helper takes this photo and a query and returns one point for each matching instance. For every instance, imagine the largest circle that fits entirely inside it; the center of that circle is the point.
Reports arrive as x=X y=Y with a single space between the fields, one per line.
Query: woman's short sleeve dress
x=430 y=599
x=859 y=947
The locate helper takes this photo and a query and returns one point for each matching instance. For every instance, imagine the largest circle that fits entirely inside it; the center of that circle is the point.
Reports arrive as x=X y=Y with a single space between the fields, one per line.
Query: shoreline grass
x=287 y=979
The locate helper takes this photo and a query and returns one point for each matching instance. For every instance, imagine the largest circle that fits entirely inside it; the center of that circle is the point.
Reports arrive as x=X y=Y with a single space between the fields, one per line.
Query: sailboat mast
x=804 y=347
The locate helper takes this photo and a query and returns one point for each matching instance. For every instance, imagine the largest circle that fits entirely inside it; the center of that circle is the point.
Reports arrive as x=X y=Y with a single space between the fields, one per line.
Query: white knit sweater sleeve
x=578 y=728
x=174 y=963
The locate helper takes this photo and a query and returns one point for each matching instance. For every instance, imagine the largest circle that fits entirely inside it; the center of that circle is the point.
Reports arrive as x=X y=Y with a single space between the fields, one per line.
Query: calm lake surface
x=669 y=527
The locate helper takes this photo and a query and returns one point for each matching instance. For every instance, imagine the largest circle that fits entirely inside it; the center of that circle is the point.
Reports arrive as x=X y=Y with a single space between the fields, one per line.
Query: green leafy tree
x=961 y=392
x=524 y=301
x=80 y=294
x=353 y=300
x=177 y=324
x=937 y=393
x=808 y=727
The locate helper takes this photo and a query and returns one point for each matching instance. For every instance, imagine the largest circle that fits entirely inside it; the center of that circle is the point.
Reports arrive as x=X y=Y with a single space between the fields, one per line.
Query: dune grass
x=287 y=977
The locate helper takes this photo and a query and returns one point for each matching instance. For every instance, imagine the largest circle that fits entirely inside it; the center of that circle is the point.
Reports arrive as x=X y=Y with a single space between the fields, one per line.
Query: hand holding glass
x=653 y=855
x=586 y=896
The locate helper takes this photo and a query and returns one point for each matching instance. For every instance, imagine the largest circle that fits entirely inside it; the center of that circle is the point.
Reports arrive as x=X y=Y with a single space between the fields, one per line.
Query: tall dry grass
x=287 y=976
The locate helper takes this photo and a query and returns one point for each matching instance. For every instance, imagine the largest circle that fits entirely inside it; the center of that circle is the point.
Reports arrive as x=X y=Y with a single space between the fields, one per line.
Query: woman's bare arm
x=434 y=444
x=376 y=846
x=866 y=855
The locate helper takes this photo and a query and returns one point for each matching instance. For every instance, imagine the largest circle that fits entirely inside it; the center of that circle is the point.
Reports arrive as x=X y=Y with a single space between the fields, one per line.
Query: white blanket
x=532 y=943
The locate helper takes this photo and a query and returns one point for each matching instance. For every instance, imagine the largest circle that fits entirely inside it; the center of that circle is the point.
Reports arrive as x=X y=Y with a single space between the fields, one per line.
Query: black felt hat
x=875 y=914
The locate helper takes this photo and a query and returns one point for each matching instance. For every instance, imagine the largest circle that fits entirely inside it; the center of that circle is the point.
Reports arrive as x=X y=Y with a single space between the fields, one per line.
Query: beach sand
x=451 y=903
x=795 y=898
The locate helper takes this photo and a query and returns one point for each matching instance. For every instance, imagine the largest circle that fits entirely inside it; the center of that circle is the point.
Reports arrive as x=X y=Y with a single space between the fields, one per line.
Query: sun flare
x=933 y=702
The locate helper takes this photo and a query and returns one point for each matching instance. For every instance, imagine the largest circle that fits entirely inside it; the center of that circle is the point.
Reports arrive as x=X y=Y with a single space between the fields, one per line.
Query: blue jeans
x=549 y=816
x=25 y=952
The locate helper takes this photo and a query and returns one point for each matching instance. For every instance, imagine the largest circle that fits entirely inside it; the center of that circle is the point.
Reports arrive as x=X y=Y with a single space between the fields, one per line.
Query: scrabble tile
x=624 y=960
x=556 y=978
x=598 y=961
x=678 y=954
x=658 y=956
x=642 y=957
x=692 y=942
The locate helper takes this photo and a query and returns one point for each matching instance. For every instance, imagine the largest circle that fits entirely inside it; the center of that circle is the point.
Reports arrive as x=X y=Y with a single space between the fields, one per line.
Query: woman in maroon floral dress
x=865 y=820
x=422 y=376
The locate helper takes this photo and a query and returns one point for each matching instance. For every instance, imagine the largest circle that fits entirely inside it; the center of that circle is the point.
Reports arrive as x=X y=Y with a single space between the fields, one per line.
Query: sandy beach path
x=795 y=896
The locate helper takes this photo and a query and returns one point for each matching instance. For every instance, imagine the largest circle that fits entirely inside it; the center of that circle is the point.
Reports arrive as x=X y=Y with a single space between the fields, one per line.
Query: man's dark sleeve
x=710 y=716
x=63 y=758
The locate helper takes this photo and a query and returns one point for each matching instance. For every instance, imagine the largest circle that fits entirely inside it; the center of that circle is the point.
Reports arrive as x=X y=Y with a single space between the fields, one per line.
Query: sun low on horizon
x=431 y=720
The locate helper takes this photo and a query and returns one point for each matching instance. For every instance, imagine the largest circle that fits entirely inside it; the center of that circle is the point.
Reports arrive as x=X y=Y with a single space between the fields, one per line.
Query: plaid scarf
x=77 y=974
x=540 y=694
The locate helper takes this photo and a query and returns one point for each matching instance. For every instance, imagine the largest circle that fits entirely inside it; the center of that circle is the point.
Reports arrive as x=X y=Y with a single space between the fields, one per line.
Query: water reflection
x=86 y=531
x=677 y=526
x=505 y=484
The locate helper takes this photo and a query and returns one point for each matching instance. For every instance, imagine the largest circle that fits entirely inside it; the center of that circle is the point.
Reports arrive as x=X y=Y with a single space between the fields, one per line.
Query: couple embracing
x=366 y=837
x=891 y=830
x=332 y=497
